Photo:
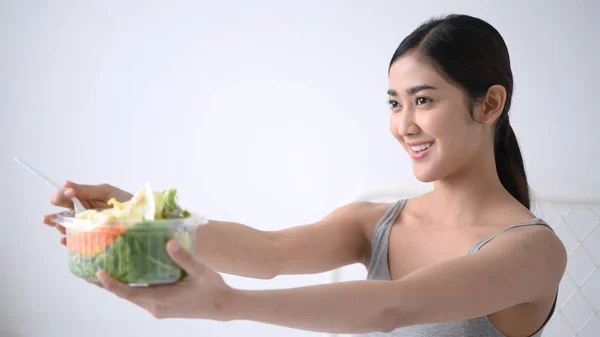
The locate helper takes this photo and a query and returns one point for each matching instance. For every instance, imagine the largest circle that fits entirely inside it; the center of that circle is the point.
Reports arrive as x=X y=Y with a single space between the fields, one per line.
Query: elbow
x=388 y=320
x=384 y=319
x=377 y=322
x=272 y=267
x=267 y=276
x=391 y=319
x=398 y=312
x=266 y=270
x=276 y=260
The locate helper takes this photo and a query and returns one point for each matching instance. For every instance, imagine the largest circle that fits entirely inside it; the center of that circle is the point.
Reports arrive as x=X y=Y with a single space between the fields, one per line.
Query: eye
x=393 y=104
x=422 y=100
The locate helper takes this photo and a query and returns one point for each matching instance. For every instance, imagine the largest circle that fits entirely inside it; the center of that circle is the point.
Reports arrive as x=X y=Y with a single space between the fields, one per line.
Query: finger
x=135 y=295
x=185 y=260
x=97 y=284
x=98 y=192
x=63 y=241
x=61 y=229
x=62 y=197
x=47 y=219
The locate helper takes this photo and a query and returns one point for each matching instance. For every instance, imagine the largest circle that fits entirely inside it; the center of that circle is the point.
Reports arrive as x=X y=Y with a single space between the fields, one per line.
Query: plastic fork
x=76 y=203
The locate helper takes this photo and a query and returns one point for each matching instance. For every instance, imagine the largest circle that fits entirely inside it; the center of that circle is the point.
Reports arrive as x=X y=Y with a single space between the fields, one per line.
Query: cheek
x=460 y=143
x=450 y=134
x=394 y=127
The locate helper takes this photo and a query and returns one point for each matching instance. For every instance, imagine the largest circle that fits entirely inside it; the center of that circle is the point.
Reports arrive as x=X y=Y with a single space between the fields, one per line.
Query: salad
x=128 y=240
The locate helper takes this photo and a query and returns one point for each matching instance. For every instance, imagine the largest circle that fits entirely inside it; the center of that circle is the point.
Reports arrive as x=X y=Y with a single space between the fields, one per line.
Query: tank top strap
x=484 y=241
x=378 y=266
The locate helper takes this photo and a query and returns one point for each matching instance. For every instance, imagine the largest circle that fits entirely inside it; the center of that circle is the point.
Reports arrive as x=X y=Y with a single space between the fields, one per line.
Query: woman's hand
x=91 y=196
x=202 y=294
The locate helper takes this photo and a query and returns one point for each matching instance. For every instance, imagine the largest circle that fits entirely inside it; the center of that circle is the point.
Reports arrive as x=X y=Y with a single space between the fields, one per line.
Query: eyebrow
x=412 y=90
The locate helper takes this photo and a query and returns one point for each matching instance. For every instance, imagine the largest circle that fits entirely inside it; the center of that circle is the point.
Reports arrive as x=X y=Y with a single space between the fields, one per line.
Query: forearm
x=346 y=307
x=237 y=249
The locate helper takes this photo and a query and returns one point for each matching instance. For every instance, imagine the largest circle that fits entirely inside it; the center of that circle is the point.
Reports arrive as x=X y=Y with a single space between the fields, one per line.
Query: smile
x=420 y=148
x=420 y=151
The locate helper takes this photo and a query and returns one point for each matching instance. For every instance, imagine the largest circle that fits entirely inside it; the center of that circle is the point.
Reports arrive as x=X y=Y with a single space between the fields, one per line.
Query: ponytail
x=509 y=163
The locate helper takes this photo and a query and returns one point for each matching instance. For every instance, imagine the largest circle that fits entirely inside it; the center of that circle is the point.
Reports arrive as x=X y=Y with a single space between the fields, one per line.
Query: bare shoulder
x=361 y=217
x=534 y=239
x=361 y=213
x=534 y=249
x=537 y=239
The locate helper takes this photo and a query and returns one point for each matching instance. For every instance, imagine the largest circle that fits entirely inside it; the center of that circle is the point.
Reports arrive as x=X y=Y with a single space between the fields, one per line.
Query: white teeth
x=419 y=148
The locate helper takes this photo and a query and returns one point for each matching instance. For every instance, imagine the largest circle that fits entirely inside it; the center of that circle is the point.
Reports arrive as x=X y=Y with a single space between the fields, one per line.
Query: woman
x=467 y=259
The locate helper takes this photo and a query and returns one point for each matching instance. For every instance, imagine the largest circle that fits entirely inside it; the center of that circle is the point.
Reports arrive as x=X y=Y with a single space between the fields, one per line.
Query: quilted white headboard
x=577 y=223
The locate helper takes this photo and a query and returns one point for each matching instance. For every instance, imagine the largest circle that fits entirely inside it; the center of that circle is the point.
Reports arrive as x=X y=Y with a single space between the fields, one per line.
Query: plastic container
x=132 y=252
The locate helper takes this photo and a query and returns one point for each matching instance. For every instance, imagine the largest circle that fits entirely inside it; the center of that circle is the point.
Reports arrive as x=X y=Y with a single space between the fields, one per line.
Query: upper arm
x=523 y=265
x=336 y=240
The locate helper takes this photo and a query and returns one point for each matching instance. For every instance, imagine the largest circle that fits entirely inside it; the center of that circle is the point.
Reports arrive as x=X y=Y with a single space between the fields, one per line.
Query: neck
x=465 y=192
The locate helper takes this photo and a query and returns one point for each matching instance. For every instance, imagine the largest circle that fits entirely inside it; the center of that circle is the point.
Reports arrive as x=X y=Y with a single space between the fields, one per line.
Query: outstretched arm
x=521 y=266
x=229 y=247
x=334 y=241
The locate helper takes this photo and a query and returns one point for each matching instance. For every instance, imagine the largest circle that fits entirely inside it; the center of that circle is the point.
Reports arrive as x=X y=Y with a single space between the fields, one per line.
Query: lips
x=421 y=147
x=419 y=150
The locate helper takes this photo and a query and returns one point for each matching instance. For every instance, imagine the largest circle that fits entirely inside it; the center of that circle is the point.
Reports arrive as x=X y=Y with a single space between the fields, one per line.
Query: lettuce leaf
x=171 y=208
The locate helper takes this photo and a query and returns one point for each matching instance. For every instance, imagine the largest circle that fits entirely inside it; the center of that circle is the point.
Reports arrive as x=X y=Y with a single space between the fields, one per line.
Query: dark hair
x=470 y=53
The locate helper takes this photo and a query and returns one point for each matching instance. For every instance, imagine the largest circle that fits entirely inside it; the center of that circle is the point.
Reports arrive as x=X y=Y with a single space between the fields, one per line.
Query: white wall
x=180 y=94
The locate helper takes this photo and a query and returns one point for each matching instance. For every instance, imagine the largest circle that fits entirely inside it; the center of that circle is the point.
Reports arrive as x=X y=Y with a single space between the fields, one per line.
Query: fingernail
x=174 y=247
x=69 y=193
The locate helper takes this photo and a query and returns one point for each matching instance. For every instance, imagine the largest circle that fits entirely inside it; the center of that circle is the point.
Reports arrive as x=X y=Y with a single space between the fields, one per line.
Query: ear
x=492 y=105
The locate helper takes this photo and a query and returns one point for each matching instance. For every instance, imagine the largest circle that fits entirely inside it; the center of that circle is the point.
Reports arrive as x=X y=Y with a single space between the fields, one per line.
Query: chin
x=425 y=178
x=426 y=175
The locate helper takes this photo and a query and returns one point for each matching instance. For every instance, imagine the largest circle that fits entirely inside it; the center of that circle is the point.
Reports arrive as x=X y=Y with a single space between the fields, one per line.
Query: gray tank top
x=379 y=270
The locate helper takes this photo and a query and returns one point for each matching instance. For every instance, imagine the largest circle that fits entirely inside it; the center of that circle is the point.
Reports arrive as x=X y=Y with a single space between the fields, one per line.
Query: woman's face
x=430 y=118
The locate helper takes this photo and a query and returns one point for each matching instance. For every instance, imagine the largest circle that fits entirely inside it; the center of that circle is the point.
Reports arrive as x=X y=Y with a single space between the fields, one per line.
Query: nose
x=406 y=124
